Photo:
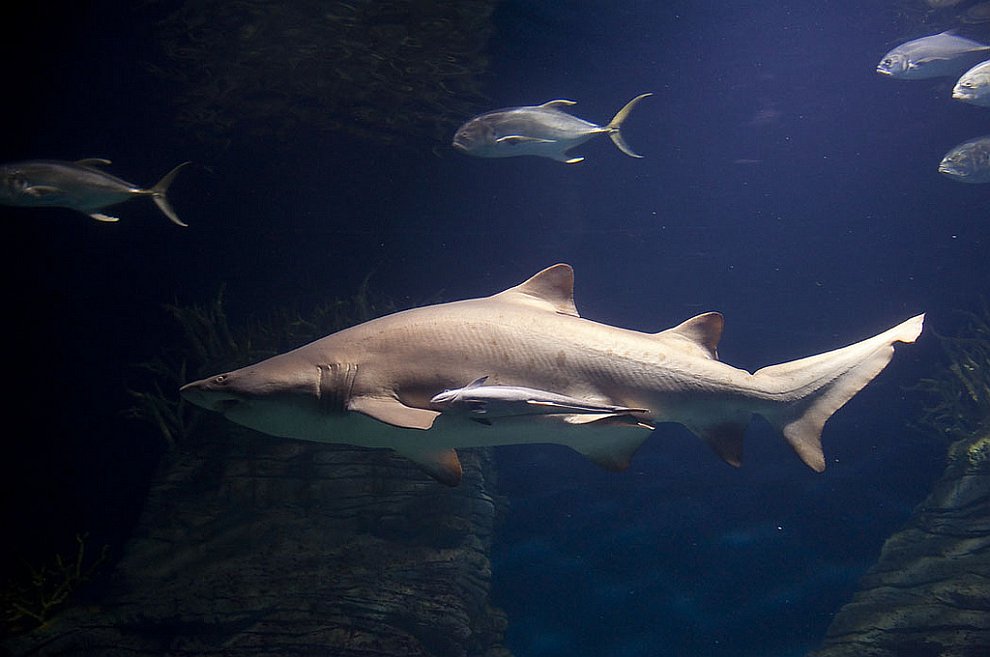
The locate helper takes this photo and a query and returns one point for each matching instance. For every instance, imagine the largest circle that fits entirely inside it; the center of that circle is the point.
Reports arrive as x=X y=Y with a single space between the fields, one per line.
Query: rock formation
x=254 y=545
x=929 y=593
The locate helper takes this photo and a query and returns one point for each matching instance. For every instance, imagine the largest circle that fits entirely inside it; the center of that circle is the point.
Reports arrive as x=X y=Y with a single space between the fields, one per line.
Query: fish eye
x=220 y=378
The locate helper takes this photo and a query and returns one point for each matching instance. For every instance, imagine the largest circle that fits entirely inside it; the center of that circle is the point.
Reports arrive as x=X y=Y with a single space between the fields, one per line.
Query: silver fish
x=935 y=56
x=968 y=162
x=371 y=384
x=542 y=130
x=77 y=185
x=487 y=402
x=974 y=85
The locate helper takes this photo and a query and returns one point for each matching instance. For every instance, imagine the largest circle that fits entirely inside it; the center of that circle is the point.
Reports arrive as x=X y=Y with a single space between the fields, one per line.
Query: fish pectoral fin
x=94 y=161
x=441 y=464
x=391 y=411
x=103 y=217
x=41 y=191
x=558 y=103
x=522 y=139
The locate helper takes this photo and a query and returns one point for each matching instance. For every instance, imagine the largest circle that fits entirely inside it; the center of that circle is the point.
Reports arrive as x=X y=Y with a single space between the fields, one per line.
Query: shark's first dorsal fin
x=558 y=103
x=552 y=288
x=699 y=334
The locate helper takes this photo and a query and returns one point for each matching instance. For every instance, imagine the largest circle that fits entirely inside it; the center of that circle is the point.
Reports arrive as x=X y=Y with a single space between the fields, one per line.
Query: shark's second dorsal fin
x=700 y=334
x=550 y=104
x=552 y=288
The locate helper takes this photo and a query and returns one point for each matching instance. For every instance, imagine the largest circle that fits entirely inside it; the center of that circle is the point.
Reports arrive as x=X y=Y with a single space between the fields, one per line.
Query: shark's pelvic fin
x=391 y=411
x=552 y=289
x=615 y=450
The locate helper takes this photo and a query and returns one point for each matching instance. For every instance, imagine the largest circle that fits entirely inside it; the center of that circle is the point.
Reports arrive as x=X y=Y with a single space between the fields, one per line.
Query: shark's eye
x=220 y=379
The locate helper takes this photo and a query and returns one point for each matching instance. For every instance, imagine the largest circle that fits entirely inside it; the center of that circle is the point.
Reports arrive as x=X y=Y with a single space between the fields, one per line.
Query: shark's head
x=278 y=396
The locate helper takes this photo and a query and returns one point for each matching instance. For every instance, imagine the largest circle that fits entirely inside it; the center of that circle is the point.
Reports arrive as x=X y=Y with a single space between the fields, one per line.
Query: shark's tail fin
x=158 y=195
x=811 y=389
x=613 y=128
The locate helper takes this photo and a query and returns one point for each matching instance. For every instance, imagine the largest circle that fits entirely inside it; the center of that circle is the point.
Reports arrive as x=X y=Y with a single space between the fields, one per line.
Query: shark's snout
x=210 y=394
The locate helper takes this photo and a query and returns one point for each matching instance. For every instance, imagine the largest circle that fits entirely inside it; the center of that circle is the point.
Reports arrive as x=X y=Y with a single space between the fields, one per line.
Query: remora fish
x=371 y=384
x=974 y=85
x=502 y=401
x=78 y=186
x=542 y=130
x=938 y=55
x=969 y=162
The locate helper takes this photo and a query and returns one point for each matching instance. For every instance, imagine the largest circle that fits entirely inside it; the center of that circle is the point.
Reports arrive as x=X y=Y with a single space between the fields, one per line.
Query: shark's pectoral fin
x=442 y=464
x=724 y=436
x=613 y=449
x=391 y=411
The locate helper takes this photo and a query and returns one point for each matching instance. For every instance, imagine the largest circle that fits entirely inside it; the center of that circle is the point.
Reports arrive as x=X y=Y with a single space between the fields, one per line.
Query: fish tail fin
x=613 y=128
x=811 y=389
x=158 y=195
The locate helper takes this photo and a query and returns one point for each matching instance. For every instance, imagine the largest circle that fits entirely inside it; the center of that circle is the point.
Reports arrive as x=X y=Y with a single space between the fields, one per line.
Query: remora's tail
x=158 y=195
x=613 y=128
x=813 y=388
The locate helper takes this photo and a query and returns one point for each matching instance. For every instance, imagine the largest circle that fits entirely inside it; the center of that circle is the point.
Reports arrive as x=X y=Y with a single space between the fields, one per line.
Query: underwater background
x=784 y=184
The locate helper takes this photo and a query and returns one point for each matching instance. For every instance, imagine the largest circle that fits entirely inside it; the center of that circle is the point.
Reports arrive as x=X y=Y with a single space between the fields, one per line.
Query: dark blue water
x=785 y=185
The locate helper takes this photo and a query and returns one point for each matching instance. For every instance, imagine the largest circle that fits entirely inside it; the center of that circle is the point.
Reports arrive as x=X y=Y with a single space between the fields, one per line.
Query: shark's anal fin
x=99 y=216
x=725 y=437
x=391 y=411
x=442 y=464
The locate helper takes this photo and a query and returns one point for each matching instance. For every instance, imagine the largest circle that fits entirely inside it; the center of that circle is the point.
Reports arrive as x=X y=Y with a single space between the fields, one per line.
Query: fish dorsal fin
x=699 y=334
x=93 y=161
x=552 y=289
x=550 y=104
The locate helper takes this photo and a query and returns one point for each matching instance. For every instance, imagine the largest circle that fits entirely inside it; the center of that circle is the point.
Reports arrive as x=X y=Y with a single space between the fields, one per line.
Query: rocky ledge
x=929 y=593
x=251 y=545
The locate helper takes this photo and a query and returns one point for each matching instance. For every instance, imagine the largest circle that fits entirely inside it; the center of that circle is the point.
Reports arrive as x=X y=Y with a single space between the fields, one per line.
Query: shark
x=371 y=385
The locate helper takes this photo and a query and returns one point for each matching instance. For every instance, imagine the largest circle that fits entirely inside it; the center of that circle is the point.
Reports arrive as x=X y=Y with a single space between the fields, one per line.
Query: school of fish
x=950 y=55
